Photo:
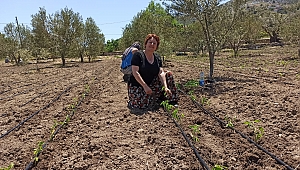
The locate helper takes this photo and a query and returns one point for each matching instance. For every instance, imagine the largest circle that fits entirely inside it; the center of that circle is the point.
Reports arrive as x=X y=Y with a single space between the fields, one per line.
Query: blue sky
x=111 y=16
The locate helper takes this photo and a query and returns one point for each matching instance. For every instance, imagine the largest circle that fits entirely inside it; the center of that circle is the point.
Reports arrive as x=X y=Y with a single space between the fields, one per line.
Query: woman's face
x=151 y=44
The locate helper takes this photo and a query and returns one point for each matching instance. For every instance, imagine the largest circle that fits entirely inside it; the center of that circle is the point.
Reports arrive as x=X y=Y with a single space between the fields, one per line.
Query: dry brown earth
x=102 y=134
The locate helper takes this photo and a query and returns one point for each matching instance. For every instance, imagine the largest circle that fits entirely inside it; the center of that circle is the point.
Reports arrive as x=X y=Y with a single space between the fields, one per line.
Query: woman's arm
x=139 y=79
x=162 y=77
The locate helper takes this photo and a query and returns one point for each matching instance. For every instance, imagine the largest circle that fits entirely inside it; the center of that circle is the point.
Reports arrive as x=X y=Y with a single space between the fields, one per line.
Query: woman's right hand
x=147 y=89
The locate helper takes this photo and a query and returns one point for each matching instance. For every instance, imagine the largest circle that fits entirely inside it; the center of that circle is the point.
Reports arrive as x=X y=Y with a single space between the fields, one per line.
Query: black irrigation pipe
x=46 y=106
x=32 y=164
x=202 y=162
x=240 y=133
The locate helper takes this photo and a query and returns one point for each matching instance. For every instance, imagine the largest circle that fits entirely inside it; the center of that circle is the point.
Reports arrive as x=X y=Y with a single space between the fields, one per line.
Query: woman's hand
x=147 y=89
x=168 y=91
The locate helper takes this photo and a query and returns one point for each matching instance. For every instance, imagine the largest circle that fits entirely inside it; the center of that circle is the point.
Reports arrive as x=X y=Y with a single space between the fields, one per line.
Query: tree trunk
x=211 y=64
x=63 y=60
x=81 y=57
x=274 y=37
x=37 y=61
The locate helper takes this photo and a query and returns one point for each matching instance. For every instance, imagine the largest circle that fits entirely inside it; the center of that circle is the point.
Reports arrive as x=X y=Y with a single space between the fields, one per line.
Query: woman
x=149 y=81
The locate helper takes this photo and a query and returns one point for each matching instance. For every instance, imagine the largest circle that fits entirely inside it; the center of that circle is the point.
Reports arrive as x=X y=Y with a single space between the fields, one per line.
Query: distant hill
x=283 y=2
x=278 y=6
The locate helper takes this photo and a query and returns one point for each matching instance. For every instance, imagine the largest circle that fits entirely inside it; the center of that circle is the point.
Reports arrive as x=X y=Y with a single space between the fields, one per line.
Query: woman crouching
x=149 y=82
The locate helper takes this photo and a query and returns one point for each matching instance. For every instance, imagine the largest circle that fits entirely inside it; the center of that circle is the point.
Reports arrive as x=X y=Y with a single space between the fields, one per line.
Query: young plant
x=219 y=167
x=191 y=93
x=191 y=84
x=169 y=107
x=257 y=130
x=87 y=88
x=9 y=167
x=229 y=121
x=37 y=151
x=195 y=132
x=204 y=100
x=67 y=120
x=53 y=128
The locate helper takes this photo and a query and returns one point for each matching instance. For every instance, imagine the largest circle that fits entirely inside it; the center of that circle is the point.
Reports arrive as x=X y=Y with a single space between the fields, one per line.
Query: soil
x=261 y=84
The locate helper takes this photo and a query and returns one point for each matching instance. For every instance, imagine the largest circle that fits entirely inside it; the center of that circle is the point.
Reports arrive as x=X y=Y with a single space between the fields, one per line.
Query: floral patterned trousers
x=139 y=99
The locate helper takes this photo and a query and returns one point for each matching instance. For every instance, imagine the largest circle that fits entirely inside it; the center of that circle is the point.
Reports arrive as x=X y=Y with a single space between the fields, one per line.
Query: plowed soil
x=101 y=133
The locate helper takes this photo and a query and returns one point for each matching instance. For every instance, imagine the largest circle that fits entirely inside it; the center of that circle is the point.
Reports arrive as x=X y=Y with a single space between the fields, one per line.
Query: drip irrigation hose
x=32 y=164
x=202 y=162
x=240 y=133
x=12 y=129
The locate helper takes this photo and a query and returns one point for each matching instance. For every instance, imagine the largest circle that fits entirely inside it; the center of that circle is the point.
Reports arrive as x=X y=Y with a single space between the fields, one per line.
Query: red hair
x=149 y=36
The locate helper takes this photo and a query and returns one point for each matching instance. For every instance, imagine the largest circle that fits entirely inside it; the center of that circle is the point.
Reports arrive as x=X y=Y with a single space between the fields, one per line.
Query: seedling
x=9 y=167
x=195 y=132
x=204 y=100
x=169 y=107
x=67 y=120
x=229 y=121
x=53 y=128
x=191 y=93
x=191 y=84
x=258 y=131
x=37 y=151
x=178 y=86
x=87 y=88
x=219 y=167
x=281 y=74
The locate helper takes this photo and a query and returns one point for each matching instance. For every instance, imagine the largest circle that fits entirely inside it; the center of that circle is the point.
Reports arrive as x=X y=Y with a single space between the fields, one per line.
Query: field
x=82 y=107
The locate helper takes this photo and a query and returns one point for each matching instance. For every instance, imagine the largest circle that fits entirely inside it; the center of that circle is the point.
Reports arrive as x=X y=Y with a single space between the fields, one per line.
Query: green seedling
x=282 y=63
x=87 y=88
x=195 y=132
x=53 y=128
x=204 y=100
x=281 y=74
x=191 y=93
x=75 y=100
x=191 y=84
x=219 y=167
x=178 y=86
x=37 y=151
x=67 y=120
x=229 y=121
x=266 y=70
x=169 y=107
x=258 y=131
x=9 y=167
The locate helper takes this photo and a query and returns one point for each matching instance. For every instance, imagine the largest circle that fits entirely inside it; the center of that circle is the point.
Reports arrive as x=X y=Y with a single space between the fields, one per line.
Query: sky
x=111 y=16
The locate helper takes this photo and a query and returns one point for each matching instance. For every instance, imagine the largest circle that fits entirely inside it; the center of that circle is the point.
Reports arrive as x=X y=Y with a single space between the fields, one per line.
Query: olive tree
x=18 y=40
x=93 y=39
x=40 y=37
x=213 y=18
x=154 y=19
x=65 y=27
x=291 y=31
